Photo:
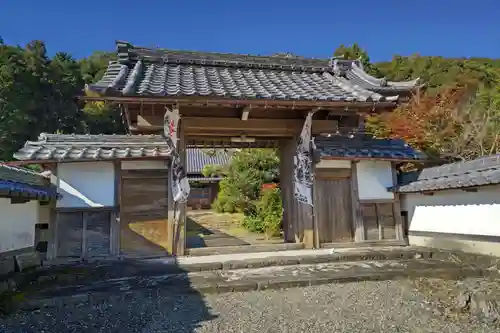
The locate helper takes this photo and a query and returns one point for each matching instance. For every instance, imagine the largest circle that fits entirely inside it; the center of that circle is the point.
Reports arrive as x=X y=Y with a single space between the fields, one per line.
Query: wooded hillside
x=459 y=114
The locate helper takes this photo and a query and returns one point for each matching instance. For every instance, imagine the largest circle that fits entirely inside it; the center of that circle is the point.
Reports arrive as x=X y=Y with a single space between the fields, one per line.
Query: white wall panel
x=374 y=177
x=455 y=211
x=17 y=224
x=85 y=184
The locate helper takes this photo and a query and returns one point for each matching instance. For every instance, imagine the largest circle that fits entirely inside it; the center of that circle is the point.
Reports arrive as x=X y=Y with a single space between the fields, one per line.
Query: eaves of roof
x=164 y=73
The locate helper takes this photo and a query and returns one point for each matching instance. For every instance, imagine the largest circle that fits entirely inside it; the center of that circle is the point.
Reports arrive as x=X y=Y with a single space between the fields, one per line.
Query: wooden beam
x=245 y=113
x=234 y=127
x=196 y=100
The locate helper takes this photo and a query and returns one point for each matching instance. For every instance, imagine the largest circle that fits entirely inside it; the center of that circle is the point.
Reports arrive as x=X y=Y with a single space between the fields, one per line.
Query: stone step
x=100 y=270
x=219 y=250
x=233 y=280
x=96 y=271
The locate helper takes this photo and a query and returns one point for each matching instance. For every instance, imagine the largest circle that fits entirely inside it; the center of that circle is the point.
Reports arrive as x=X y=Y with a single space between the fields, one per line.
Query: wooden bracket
x=245 y=113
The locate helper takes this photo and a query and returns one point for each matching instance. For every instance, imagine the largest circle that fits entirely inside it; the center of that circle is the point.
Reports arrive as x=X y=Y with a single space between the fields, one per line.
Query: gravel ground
x=392 y=306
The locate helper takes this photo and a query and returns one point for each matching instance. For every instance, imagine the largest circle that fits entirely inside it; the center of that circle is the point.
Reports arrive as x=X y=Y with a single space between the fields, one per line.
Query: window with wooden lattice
x=379 y=221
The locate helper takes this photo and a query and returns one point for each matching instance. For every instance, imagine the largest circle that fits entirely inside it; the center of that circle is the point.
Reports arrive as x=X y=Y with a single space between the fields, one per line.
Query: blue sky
x=309 y=28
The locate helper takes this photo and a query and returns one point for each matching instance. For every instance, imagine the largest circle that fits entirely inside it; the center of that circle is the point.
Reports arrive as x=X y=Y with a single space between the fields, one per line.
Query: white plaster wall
x=455 y=211
x=85 y=184
x=144 y=165
x=374 y=177
x=336 y=164
x=17 y=224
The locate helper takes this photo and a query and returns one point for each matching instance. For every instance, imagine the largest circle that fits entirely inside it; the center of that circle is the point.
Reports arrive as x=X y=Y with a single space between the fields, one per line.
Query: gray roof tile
x=160 y=72
x=196 y=159
x=364 y=146
x=206 y=179
x=21 y=175
x=482 y=171
x=21 y=182
x=353 y=71
x=72 y=147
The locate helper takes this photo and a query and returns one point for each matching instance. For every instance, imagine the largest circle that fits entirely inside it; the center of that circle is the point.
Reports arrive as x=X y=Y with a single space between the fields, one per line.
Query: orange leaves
x=427 y=121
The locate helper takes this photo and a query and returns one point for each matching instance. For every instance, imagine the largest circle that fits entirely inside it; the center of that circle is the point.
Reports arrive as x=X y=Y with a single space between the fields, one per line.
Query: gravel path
x=387 y=307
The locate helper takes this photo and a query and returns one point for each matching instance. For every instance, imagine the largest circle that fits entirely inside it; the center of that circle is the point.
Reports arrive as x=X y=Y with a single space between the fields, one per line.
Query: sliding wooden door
x=144 y=213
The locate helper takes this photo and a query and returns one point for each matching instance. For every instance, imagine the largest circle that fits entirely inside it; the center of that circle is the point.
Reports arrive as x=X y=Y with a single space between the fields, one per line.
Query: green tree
x=355 y=52
x=243 y=179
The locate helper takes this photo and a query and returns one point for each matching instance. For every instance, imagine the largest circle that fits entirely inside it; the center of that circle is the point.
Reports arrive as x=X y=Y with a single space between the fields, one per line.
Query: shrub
x=267 y=213
x=243 y=179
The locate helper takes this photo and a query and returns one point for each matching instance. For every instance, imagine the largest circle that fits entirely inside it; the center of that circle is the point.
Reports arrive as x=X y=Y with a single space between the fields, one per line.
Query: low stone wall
x=16 y=261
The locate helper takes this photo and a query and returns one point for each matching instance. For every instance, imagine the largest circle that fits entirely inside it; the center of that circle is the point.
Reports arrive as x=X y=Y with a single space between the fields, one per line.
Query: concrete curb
x=252 y=285
x=364 y=255
x=79 y=273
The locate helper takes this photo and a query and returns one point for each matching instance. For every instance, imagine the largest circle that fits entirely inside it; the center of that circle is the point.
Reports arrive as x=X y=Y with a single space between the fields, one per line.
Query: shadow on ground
x=198 y=236
x=122 y=305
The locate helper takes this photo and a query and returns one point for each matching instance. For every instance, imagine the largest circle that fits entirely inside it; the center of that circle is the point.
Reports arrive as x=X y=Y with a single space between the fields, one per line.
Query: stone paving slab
x=98 y=271
x=251 y=279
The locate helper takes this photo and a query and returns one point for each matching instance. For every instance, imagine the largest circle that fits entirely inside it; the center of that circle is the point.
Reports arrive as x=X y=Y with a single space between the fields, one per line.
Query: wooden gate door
x=84 y=234
x=144 y=213
x=333 y=208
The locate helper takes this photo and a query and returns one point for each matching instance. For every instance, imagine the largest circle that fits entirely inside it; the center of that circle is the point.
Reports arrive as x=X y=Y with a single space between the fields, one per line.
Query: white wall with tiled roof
x=455 y=219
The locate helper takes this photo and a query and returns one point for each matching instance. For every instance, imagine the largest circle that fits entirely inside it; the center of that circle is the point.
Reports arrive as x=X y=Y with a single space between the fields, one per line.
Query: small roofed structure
x=365 y=147
x=24 y=200
x=99 y=176
x=454 y=206
x=204 y=189
x=78 y=147
x=353 y=174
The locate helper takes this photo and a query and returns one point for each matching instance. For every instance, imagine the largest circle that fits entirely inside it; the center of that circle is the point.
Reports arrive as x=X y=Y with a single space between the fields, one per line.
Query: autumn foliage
x=459 y=122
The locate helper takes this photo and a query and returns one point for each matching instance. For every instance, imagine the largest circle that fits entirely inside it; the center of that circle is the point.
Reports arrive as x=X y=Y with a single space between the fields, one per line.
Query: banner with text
x=302 y=166
x=178 y=179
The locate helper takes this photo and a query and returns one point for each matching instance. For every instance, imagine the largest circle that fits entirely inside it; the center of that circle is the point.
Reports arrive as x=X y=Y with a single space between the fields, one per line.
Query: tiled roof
x=354 y=72
x=196 y=159
x=482 y=171
x=21 y=175
x=364 y=146
x=72 y=147
x=206 y=179
x=164 y=73
x=16 y=181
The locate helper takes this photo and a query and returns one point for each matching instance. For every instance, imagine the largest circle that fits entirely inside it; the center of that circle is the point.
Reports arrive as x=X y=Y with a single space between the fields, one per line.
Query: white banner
x=178 y=179
x=302 y=166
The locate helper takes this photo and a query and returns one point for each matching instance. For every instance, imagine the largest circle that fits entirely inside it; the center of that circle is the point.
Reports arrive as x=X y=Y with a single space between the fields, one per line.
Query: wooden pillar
x=172 y=223
x=181 y=228
x=52 y=241
x=316 y=243
x=357 y=216
x=286 y=185
x=303 y=214
x=306 y=224
x=115 y=231
x=176 y=224
x=397 y=207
